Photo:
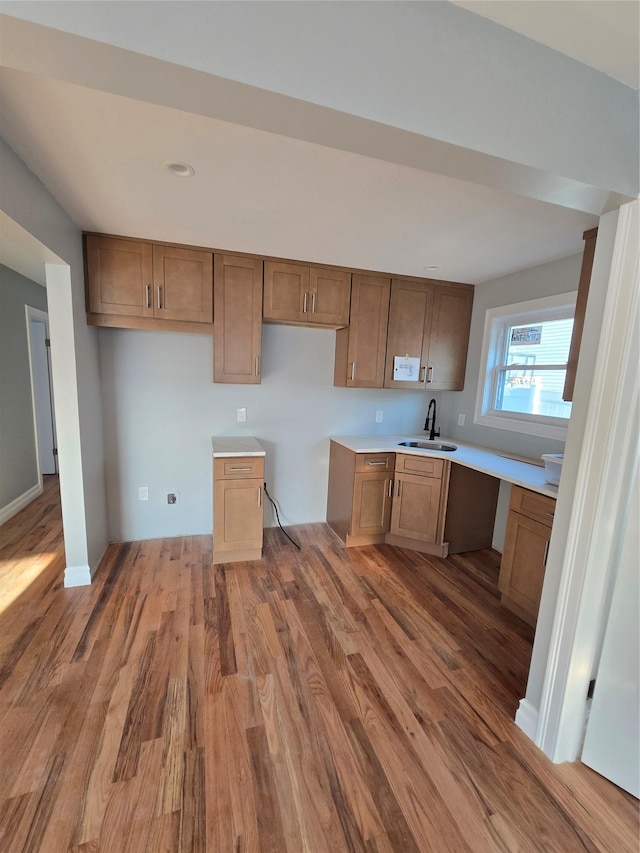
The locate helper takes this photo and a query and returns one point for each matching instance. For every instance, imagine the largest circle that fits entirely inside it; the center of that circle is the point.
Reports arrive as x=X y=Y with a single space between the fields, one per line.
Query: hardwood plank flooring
x=326 y=699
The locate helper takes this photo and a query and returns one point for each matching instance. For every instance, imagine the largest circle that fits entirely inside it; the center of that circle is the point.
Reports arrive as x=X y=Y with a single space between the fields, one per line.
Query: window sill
x=558 y=433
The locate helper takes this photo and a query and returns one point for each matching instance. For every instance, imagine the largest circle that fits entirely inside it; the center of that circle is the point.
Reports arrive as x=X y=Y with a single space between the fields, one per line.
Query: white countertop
x=236 y=445
x=525 y=474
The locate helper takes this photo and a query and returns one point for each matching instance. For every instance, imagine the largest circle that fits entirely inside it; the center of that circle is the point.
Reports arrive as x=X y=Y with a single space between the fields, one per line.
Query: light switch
x=241 y=415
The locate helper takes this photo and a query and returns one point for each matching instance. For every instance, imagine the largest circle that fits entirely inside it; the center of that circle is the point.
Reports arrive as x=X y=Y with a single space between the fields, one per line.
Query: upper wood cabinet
x=237 y=328
x=360 y=347
x=142 y=281
x=303 y=295
x=589 y=238
x=430 y=322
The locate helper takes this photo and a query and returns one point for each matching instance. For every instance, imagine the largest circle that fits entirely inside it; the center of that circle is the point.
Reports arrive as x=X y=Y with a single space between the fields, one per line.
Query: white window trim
x=547 y=308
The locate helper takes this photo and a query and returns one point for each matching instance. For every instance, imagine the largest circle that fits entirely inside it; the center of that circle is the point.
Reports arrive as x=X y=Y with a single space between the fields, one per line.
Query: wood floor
x=316 y=700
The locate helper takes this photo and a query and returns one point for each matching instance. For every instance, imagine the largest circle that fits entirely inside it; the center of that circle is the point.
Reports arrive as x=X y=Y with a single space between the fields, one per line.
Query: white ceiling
x=101 y=155
x=605 y=36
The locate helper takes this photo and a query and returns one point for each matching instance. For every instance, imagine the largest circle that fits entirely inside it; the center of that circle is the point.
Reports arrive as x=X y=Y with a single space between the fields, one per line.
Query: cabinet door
x=523 y=562
x=409 y=309
x=416 y=507
x=371 y=511
x=237 y=326
x=360 y=348
x=183 y=284
x=329 y=297
x=237 y=515
x=286 y=292
x=119 y=275
x=449 y=338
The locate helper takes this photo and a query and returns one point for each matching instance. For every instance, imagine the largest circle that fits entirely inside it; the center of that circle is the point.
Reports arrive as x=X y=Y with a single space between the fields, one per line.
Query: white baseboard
x=77 y=576
x=19 y=503
x=527 y=719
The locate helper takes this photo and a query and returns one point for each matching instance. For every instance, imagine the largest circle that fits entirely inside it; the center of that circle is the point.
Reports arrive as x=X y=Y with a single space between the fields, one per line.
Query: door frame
x=36 y=314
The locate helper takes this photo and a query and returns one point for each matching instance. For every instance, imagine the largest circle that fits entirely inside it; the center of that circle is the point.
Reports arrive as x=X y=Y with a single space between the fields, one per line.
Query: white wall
x=161 y=409
x=74 y=357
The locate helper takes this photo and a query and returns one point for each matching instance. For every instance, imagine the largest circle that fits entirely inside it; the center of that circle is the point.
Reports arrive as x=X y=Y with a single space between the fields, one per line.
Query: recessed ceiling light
x=182 y=170
x=433 y=268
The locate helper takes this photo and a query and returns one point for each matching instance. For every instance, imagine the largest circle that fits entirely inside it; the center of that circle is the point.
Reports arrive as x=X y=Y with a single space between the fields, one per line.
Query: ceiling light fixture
x=431 y=269
x=182 y=170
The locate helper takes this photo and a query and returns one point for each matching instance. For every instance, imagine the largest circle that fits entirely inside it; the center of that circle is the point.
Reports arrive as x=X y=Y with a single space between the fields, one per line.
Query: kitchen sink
x=427 y=445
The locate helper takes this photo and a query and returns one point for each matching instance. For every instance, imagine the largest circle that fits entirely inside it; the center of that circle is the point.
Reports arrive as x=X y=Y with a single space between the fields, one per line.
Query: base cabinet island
x=443 y=502
x=238 y=484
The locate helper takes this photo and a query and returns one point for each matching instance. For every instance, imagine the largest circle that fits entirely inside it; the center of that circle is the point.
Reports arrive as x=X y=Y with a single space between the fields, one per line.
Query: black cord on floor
x=278 y=519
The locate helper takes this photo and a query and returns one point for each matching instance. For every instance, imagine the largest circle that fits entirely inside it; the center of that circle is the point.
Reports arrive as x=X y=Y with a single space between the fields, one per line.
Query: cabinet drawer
x=375 y=461
x=238 y=467
x=533 y=505
x=425 y=465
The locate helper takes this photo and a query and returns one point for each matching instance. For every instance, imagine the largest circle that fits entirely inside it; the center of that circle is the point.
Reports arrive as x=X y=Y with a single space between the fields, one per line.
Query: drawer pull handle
x=304 y=304
x=398 y=489
x=159 y=297
x=313 y=303
x=380 y=462
x=551 y=514
x=546 y=553
x=390 y=492
x=232 y=468
x=257 y=365
x=259 y=496
x=148 y=295
x=423 y=376
x=430 y=375
x=353 y=370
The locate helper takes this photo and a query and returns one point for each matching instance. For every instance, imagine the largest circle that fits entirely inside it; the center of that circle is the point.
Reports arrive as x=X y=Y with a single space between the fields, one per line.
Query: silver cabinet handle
x=236 y=468
x=259 y=496
x=390 y=490
x=398 y=488
x=304 y=304
x=148 y=295
x=430 y=375
x=353 y=370
x=313 y=303
x=159 y=297
x=380 y=462
x=424 y=374
x=551 y=514
x=257 y=365
x=546 y=553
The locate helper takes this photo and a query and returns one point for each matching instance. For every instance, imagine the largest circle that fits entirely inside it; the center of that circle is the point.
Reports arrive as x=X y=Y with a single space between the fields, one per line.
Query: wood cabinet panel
x=371 y=511
x=238 y=467
x=329 y=297
x=416 y=507
x=183 y=284
x=371 y=462
x=361 y=347
x=526 y=547
x=409 y=308
x=237 y=525
x=237 y=328
x=285 y=286
x=581 y=307
x=119 y=276
x=427 y=466
x=449 y=338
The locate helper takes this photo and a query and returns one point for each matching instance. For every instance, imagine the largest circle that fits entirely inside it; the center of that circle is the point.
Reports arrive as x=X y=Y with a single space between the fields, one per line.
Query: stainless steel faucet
x=431 y=415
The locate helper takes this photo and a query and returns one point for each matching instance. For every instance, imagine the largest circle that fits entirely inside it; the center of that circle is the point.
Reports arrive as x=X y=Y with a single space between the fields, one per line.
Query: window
x=523 y=366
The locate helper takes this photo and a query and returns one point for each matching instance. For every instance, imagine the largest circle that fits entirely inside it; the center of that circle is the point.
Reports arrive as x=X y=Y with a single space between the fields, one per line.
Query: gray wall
x=74 y=356
x=544 y=280
x=161 y=409
x=18 y=461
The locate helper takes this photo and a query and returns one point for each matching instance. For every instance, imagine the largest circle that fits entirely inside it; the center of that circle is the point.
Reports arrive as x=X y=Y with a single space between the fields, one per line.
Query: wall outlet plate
x=172 y=498
x=143 y=493
x=241 y=415
x=461 y=420
x=379 y=417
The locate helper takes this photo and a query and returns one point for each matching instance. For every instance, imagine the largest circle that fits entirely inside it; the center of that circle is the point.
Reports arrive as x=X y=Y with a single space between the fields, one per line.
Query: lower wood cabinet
x=419 y=503
x=237 y=508
x=359 y=497
x=526 y=547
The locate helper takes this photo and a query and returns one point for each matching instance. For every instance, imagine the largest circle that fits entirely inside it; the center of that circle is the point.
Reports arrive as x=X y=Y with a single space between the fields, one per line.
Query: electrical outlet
x=172 y=498
x=241 y=415
x=461 y=420
x=379 y=417
x=143 y=493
